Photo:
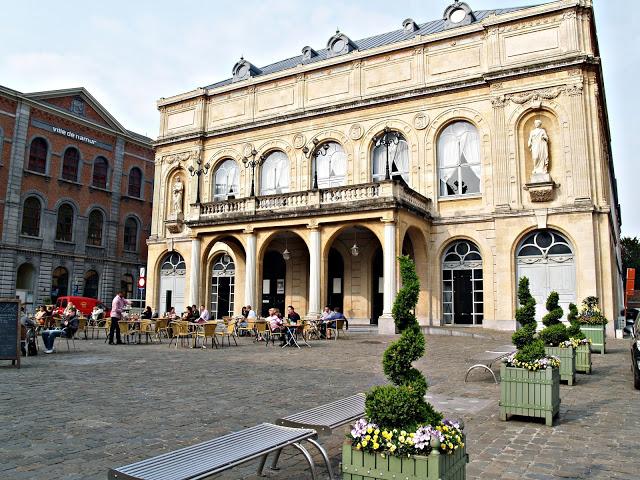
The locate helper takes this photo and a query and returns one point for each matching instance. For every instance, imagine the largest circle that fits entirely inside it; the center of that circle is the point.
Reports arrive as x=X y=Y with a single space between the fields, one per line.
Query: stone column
x=250 y=272
x=386 y=325
x=314 y=273
x=194 y=272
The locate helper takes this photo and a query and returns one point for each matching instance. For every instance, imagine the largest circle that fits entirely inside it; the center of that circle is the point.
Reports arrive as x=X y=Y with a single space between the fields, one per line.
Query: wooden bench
x=326 y=418
x=223 y=453
x=490 y=357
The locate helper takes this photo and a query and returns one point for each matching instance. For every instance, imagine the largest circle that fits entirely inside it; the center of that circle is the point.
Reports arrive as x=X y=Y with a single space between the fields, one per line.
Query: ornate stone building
x=76 y=189
x=477 y=143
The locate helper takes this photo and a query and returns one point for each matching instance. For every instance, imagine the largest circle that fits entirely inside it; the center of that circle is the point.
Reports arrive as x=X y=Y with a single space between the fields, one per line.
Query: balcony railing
x=386 y=194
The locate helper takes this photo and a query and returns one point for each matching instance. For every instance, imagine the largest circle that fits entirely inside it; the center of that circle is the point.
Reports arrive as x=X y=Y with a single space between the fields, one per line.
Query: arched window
x=226 y=180
x=392 y=147
x=222 y=287
x=459 y=160
x=126 y=285
x=38 y=155
x=31 y=217
x=332 y=165
x=59 y=283
x=135 y=183
x=100 y=172
x=131 y=235
x=94 y=232
x=172 y=282
x=91 y=282
x=64 y=226
x=275 y=174
x=70 y=163
x=462 y=284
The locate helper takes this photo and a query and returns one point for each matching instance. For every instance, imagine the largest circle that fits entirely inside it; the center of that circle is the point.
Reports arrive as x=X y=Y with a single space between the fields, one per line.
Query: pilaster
x=501 y=159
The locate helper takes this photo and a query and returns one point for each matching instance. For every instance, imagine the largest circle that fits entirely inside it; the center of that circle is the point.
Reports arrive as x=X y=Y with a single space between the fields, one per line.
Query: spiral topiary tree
x=574 y=329
x=556 y=331
x=402 y=405
x=529 y=348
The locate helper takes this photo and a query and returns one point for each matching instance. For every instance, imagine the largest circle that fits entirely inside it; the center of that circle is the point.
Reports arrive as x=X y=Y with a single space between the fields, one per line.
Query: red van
x=84 y=305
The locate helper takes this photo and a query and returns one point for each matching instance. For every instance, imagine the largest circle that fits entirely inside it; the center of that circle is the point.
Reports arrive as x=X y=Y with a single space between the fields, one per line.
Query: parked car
x=635 y=354
x=83 y=304
x=630 y=318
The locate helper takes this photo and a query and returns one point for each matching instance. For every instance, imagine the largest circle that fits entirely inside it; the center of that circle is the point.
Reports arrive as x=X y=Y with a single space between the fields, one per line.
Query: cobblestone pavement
x=74 y=415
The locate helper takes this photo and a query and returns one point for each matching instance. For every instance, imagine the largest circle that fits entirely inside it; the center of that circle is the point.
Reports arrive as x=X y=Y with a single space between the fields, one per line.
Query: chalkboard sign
x=10 y=330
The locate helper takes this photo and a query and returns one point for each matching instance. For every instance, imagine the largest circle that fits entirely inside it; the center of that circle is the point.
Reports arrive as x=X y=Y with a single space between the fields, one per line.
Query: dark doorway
x=274 y=270
x=462 y=297
x=167 y=303
x=59 y=283
x=335 y=284
x=377 y=295
x=91 y=284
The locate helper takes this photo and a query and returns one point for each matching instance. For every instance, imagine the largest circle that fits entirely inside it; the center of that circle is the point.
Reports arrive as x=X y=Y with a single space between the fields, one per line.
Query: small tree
x=529 y=348
x=556 y=331
x=574 y=329
x=402 y=405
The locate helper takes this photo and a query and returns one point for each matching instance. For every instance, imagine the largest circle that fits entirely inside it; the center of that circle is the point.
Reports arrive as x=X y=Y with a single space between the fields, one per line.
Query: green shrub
x=553 y=335
x=525 y=315
x=531 y=352
x=402 y=405
x=572 y=316
x=524 y=335
x=555 y=310
x=574 y=328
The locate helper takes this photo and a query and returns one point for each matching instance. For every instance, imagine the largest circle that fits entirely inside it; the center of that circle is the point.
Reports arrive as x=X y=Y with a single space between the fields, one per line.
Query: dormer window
x=458 y=14
x=340 y=44
x=244 y=70
x=308 y=53
x=409 y=25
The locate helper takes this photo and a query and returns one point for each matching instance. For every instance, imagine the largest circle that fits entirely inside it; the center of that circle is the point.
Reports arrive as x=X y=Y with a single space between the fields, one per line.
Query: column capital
x=313 y=225
x=249 y=230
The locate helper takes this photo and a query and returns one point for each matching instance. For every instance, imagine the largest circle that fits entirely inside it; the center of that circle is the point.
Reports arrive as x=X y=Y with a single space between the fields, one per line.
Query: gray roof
x=435 y=26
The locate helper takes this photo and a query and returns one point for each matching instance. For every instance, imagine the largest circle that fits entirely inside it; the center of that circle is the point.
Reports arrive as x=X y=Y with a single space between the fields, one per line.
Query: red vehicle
x=84 y=305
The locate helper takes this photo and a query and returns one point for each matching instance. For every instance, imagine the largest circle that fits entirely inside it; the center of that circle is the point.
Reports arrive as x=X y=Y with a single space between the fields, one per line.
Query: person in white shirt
x=204 y=314
x=251 y=313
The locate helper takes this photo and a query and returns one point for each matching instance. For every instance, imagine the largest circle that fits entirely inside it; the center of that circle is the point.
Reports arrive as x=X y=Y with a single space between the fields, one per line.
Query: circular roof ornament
x=457 y=15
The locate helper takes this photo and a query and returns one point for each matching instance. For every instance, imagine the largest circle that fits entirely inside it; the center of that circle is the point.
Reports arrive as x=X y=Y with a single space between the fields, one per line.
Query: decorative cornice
x=180 y=157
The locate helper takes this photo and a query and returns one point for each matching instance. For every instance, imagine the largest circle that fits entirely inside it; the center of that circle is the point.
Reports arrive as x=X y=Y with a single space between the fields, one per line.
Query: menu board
x=10 y=330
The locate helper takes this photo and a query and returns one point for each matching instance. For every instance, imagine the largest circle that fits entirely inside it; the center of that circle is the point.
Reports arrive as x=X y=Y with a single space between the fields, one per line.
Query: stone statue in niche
x=539 y=145
x=178 y=194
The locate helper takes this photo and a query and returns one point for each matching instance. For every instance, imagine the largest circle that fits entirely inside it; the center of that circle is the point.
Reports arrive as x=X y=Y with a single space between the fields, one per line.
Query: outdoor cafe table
x=293 y=330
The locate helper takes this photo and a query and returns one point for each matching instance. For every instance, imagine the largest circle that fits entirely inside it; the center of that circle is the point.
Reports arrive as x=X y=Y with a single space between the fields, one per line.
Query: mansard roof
x=400 y=35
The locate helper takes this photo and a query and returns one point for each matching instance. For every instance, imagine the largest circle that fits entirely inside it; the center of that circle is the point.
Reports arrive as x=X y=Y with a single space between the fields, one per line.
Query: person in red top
x=117 y=306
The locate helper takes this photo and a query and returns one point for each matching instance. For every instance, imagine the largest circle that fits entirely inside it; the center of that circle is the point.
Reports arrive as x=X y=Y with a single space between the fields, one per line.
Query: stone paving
x=74 y=415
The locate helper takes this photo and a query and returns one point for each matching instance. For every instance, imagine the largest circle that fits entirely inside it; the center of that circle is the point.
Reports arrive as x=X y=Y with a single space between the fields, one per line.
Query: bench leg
x=263 y=460
x=323 y=452
x=481 y=366
x=276 y=457
x=309 y=459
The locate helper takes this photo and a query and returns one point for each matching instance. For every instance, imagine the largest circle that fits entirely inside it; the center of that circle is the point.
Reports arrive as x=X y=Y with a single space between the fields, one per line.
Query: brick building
x=75 y=197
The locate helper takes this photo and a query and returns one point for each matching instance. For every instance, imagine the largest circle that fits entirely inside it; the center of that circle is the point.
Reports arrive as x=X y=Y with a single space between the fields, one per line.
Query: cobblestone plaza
x=73 y=415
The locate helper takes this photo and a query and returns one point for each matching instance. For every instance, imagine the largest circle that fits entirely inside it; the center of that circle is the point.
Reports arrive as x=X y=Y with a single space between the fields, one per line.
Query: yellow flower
x=369 y=429
x=375 y=445
x=368 y=437
x=392 y=448
x=403 y=433
x=377 y=431
x=364 y=443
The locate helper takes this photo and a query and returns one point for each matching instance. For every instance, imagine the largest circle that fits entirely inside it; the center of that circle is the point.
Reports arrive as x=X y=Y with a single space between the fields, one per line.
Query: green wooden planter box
x=567 y=358
x=359 y=465
x=530 y=394
x=583 y=359
x=597 y=336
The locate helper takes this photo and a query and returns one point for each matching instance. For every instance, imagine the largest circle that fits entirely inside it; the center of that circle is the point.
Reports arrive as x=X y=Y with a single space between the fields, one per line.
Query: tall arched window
x=131 y=235
x=91 y=282
x=275 y=174
x=59 y=283
x=462 y=284
x=225 y=180
x=332 y=165
x=222 y=287
x=94 y=232
x=172 y=282
x=31 y=212
x=70 y=163
x=391 y=147
x=64 y=226
x=459 y=160
x=126 y=285
x=100 y=172
x=135 y=183
x=38 y=155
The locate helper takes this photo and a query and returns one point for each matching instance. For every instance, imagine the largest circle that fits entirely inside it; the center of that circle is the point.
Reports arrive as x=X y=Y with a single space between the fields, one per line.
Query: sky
x=130 y=53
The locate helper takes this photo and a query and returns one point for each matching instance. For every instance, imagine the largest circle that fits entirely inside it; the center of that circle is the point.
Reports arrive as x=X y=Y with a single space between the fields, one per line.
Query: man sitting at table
x=70 y=326
x=294 y=318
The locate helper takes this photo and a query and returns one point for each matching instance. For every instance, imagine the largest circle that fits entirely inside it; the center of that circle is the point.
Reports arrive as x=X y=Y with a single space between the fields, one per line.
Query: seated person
x=70 y=326
x=188 y=314
x=97 y=313
x=67 y=310
x=293 y=317
x=326 y=313
x=251 y=314
x=275 y=322
x=147 y=313
x=48 y=318
x=40 y=315
x=195 y=313
x=171 y=314
x=26 y=323
x=204 y=315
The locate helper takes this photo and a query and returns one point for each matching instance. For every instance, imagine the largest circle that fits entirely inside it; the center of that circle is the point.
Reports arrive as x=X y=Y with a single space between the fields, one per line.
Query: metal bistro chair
x=260 y=331
x=82 y=327
x=229 y=332
x=124 y=329
x=248 y=329
x=208 y=330
x=180 y=331
x=335 y=326
x=107 y=327
x=146 y=328
x=271 y=335
x=162 y=327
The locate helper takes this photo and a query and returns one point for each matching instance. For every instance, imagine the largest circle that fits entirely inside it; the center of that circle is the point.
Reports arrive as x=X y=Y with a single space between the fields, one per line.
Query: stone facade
x=466 y=217
x=40 y=259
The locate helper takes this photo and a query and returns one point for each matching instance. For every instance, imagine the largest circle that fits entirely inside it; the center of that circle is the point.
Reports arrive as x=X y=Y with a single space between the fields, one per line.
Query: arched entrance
x=273 y=282
x=335 y=279
x=91 y=281
x=59 y=283
x=462 y=284
x=25 y=282
x=172 y=282
x=546 y=258
x=223 y=274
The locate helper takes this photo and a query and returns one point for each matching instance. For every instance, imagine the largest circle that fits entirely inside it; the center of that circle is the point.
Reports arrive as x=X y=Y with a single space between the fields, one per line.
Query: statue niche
x=538 y=159
x=539 y=146
x=175 y=208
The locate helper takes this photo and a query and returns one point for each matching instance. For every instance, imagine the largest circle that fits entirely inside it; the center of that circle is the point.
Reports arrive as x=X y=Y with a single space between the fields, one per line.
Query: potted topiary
x=530 y=379
x=555 y=338
x=402 y=435
x=592 y=323
x=579 y=341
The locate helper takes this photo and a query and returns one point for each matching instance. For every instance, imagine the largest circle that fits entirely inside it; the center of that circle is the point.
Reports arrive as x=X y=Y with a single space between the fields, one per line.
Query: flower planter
x=583 y=359
x=359 y=465
x=596 y=334
x=530 y=394
x=567 y=358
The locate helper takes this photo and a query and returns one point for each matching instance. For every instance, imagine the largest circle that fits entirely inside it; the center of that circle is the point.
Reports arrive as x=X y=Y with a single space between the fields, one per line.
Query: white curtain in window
x=398 y=160
x=379 y=162
x=226 y=180
x=275 y=174
x=332 y=166
x=459 y=159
